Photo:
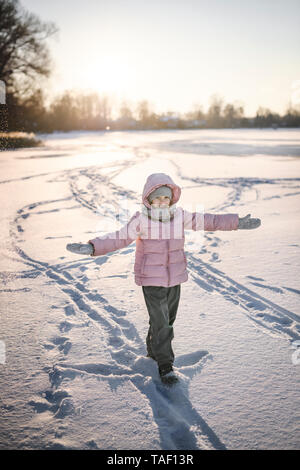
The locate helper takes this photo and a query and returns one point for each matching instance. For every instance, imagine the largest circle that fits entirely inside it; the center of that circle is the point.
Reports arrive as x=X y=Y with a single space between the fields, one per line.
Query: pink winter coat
x=159 y=257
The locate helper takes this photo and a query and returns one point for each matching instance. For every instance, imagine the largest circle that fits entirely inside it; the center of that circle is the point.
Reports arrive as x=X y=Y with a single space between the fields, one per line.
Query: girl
x=160 y=261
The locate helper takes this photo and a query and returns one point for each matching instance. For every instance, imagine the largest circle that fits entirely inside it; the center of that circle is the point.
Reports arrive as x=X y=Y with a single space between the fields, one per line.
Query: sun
x=108 y=75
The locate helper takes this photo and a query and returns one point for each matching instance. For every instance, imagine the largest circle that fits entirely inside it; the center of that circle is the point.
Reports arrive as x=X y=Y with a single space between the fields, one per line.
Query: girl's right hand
x=80 y=248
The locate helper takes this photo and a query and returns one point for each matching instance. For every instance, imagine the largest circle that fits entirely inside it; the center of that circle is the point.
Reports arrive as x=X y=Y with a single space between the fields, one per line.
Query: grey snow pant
x=162 y=304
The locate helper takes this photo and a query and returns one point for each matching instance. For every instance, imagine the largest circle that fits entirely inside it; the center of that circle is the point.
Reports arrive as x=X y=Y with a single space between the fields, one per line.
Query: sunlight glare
x=110 y=74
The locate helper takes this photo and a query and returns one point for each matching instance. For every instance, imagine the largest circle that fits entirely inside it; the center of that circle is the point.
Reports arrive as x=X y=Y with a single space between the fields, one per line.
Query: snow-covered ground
x=73 y=371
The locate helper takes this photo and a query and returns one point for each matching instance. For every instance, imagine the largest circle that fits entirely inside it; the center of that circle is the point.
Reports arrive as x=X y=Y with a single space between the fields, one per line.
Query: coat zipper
x=168 y=265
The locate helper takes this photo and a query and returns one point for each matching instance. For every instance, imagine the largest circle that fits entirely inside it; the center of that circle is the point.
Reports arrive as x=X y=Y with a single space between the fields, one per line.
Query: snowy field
x=73 y=371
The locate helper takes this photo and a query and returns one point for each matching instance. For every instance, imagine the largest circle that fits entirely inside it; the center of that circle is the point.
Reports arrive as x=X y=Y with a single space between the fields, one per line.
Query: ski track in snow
x=180 y=425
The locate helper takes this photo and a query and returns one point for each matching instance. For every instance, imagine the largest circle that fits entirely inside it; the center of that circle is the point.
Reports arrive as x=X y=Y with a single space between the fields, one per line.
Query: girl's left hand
x=248 y=223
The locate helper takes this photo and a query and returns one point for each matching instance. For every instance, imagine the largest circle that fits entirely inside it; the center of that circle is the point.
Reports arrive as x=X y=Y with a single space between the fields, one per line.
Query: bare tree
x=196 y=113
x=125 y=110
x=24 y=56
x=232 y=115
x=147 y=118
x=143 y=110
x=104 y=107
x=214 y=114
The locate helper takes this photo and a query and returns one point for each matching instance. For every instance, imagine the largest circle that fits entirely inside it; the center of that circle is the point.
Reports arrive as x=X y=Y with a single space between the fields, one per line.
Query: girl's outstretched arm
x=210 y=222
x=116 y=240
x=110 y=242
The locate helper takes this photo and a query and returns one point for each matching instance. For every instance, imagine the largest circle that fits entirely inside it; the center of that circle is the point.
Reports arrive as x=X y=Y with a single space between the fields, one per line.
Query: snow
x=73 y=371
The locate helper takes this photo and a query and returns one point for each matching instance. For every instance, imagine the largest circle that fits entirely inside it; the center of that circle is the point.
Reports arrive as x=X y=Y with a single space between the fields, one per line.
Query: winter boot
x=167 y=375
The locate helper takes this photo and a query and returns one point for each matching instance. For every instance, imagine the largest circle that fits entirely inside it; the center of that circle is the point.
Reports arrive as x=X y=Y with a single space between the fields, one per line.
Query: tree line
x=80 y=111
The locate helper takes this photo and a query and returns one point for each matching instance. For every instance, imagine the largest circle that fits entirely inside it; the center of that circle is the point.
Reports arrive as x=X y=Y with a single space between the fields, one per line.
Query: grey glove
x=81 y=248
x=248 y=223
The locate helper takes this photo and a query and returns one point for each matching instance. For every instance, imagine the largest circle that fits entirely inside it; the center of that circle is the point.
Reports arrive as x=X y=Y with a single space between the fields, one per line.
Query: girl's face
x=161 y=201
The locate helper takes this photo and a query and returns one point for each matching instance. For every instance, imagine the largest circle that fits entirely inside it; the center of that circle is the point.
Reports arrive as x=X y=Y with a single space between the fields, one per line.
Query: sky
x=176 y=54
